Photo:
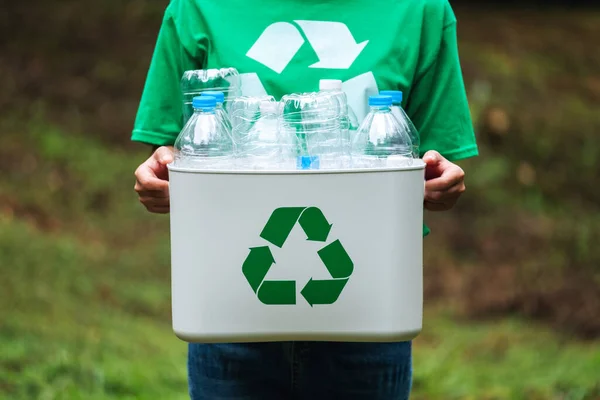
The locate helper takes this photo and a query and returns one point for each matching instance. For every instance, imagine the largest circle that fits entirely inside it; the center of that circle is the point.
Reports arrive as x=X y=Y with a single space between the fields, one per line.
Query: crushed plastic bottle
x=261 y=150
x=195 y=82
x=203 y=142
x=403 y=119
x=334 y=86
x=252 y=119
x=349 y=121
x=311 y=129
x=381 y=141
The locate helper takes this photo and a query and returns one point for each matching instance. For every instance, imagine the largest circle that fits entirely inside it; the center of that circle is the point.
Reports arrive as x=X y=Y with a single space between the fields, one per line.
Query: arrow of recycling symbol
x=276 y=231
x=332 y=42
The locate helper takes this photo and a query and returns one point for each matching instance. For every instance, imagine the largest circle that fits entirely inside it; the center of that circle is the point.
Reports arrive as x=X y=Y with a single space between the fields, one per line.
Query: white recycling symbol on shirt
x=332 y=42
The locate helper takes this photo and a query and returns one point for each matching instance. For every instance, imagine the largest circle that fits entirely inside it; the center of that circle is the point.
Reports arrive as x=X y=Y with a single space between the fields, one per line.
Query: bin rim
x=418 y=164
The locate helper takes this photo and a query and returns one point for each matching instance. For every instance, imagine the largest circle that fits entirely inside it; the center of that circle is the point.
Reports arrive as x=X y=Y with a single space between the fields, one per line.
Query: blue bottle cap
x=204 y=102
x=307 y=162
x=383 y=101
x=396 y=95
x=220 y=96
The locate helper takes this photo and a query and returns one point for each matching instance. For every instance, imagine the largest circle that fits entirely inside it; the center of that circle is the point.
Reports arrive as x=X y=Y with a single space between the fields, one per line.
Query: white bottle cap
x=330 y=84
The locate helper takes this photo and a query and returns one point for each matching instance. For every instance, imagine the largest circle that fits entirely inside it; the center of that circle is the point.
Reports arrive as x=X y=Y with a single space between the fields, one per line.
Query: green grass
x=85 y=296
x=502 y=359
x=85 y=271
x=77 y=324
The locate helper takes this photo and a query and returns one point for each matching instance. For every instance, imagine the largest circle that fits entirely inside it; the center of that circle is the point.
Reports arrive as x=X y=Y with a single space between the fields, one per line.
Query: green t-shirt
x=282 y=47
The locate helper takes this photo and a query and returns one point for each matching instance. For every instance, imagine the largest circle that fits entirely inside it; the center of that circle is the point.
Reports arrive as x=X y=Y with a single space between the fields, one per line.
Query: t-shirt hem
x=150 y=137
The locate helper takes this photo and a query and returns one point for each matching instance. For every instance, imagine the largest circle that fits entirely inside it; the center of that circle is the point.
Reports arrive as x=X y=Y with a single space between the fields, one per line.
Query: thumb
x=164 y=155
x=432 y=158
x=434 y=164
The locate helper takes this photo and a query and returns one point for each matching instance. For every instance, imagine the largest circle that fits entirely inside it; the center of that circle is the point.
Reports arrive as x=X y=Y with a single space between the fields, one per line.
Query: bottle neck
x=381 y=108
x=204 y=110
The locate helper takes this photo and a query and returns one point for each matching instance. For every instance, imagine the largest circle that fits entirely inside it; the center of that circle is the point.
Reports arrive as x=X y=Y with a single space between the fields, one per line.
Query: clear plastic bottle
x=262 y=143
x=381 y=141
x=220 y=110
x=349 y=121
x=310 y=128
x=403 y=119
x=335 y=86
x=203 y=142
x=195 y=82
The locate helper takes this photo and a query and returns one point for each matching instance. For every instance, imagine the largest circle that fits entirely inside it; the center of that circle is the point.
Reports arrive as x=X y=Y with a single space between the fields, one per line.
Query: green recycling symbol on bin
x=276 y=231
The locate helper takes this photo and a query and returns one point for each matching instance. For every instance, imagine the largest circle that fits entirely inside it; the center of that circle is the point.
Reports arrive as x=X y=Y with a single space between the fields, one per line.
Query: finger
x=454 y=191
x=158 y=169
x=147 y=180
x=164 y=155
x=442 y=197
x=437 y=206
x=159 y=194
x=159 y=210
x=436 y=164
x=158 y=162
x=432 y=157
x=154 y=202
x=450 y=176
x=151 y=183
x=451 y=193
x=443 y=183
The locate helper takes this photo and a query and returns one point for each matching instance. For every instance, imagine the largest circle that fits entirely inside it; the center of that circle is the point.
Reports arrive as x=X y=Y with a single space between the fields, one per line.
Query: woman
x=283 y=47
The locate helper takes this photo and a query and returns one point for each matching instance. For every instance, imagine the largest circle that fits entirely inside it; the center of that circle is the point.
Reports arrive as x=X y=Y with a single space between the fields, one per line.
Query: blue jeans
x=300 y=370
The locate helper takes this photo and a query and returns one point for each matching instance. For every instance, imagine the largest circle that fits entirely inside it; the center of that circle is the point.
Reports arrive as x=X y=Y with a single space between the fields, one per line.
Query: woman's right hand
x=152 y=180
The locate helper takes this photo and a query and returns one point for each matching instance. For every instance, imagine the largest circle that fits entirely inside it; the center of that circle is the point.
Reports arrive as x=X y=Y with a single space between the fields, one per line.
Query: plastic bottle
x=310 y=127
x=335 y=86
x=381 y=141
x=349 y=121
x=195 y=82
x=262 y=142
x=203 y=142
x=220 y=110
x=403 y=119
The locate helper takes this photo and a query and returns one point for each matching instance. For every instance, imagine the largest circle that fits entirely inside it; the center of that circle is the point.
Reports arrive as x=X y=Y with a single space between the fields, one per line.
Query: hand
x=445 y=182
x=152 y=181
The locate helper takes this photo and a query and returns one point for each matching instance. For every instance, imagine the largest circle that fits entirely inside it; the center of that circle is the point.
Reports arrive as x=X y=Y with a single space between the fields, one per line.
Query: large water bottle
x=403 y=119
x=381 y=141
x=349 y=121
x=220 y=110
x=203 y=142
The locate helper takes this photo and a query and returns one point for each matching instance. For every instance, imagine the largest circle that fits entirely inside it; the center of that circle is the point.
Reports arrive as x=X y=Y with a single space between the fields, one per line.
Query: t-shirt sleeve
x=437 y=103
x=160 y=114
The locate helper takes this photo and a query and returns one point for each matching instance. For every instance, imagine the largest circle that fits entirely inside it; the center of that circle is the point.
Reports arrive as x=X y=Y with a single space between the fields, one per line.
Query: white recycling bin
x=297 y=255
